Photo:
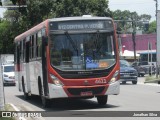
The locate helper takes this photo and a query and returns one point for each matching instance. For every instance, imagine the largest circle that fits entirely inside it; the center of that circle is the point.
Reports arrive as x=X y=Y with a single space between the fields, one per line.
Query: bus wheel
x=102 y=100
x=45 y=102
x=26 y=97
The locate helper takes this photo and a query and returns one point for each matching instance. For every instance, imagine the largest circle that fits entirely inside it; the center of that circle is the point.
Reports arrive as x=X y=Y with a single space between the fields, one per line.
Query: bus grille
x=77 y=91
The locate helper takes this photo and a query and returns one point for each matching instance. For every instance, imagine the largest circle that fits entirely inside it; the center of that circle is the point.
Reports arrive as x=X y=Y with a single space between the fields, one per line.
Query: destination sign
x=83 y=24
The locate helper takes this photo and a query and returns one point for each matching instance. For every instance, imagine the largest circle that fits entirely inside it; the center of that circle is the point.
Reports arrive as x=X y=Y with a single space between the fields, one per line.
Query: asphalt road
x=140 y=97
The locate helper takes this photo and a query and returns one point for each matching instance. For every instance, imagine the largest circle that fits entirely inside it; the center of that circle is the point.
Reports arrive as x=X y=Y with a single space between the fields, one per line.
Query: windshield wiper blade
x=96 y=43
x=72 y=42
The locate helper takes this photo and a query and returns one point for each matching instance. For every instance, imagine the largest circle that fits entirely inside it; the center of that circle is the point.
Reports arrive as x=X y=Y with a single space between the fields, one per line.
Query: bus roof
x=44 y=24
x=31 y=31
x=86 y=17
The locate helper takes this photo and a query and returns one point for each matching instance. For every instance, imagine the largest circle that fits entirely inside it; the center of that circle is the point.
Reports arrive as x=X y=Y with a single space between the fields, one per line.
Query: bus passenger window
x=32 y=46
x=39 y=44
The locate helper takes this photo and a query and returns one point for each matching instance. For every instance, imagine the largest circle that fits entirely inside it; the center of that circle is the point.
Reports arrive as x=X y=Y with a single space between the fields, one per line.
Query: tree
x=6 y=41
x=126 y=15
x=152 y=27
x=64 y=8
x=20 y=20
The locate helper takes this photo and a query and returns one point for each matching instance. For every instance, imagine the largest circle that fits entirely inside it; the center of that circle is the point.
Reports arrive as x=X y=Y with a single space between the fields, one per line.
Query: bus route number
x=100 y=81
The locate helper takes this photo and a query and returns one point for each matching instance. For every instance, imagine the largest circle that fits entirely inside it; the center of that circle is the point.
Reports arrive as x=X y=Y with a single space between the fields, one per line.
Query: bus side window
x=17 y=53
x=21 y=51
x=30 y=48
x=24 y=49
x=27 y=50
x=39 y=44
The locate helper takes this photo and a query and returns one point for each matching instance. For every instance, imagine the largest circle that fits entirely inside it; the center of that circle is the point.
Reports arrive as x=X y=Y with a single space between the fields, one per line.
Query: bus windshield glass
x=82 y=51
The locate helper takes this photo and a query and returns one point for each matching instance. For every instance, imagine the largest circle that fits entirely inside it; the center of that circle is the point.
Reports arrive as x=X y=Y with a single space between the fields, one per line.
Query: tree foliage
x=6 y=41
x=152 y=27
x=126 y=15
x=19 y=20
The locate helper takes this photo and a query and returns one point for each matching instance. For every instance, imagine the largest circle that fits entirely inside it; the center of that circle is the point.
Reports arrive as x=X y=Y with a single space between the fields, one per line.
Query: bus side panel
x=23 y=76
x=27 y=77
x=33 y=78
x=35 y=70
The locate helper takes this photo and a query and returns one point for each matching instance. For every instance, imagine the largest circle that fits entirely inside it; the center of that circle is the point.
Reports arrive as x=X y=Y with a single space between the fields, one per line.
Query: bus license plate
x=88 y=93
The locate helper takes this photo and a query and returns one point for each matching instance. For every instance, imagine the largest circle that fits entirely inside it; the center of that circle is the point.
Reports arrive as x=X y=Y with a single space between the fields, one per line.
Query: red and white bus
x=68 y=57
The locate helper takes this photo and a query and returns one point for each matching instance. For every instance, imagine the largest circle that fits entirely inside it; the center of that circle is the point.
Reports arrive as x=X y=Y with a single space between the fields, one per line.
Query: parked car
x=141 y=67
x=8 y=74
x=127 y=72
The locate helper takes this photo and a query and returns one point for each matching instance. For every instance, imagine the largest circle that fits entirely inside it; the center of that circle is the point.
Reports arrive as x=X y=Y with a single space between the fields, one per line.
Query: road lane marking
x=16 y=109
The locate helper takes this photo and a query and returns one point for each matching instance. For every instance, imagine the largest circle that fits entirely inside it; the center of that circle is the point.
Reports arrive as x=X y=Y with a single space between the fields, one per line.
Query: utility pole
x=1 y=88
x=133 y=39
x=157 y=67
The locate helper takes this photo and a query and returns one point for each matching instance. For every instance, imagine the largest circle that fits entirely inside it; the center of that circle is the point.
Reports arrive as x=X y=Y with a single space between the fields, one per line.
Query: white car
x=8 y=74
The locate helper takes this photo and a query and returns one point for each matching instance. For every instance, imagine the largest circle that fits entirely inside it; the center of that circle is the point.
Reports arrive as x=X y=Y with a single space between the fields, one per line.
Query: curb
x=26 y=109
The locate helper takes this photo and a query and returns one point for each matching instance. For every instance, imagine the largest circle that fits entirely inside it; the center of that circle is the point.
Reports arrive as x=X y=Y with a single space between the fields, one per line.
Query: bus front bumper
x=83 y=91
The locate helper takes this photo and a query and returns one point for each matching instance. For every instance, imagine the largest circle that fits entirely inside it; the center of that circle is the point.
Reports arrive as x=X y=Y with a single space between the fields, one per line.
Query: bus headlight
x=114 y=78
x=56 y=81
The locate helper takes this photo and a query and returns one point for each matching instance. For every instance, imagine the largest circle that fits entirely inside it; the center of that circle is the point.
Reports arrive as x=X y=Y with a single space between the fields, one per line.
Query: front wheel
x=102 y=100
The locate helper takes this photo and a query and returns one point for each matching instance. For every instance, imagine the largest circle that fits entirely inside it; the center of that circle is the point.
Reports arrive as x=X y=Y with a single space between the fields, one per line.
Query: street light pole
x=2 y=101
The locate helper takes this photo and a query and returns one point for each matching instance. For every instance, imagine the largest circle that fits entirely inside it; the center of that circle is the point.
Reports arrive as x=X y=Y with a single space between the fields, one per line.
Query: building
x=142 y=42
x=145 y=43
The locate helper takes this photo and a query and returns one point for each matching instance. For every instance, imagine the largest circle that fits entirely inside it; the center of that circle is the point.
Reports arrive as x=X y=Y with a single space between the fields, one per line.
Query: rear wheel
x=26 y=97
x=102 y=100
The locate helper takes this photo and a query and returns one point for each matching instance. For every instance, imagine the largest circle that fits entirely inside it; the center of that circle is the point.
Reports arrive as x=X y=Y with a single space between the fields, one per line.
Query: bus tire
x=26 y=97
x=102 y=100
x=45 y=102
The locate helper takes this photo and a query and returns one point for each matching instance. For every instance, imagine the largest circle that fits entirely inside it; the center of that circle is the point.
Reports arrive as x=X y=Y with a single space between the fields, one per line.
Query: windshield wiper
x=96 y=42
x=72 y=42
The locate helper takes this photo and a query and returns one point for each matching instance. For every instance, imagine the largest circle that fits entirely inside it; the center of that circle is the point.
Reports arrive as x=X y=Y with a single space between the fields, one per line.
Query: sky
x=140 y=6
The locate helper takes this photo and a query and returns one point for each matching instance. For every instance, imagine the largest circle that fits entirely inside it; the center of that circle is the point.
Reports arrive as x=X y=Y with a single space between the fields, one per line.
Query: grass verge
x=151 y=79
x=7 y=107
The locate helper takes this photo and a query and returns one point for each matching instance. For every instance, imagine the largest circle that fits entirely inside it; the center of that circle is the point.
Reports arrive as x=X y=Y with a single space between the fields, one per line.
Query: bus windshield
x=82 y=51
